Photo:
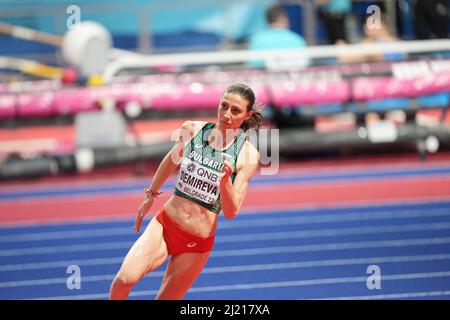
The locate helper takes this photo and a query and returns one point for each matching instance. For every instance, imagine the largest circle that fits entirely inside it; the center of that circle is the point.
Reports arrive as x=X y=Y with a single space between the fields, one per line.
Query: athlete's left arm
x=232 y=195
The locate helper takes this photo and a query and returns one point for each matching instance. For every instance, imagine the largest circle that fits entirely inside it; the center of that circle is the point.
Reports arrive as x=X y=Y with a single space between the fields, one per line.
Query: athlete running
x=216 y=162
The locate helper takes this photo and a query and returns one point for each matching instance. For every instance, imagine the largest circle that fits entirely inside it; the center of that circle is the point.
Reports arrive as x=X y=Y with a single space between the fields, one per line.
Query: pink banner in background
x=181 y=96
x=314 y=92
x=365 y=88
x=72 y=101
x=35 y=104
x=4 y=88
x=202 y=90
x=7 y=106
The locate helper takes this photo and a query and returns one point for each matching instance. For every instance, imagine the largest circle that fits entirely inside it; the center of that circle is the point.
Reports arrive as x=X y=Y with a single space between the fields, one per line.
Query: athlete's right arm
x=167 y=166
x=173 y=158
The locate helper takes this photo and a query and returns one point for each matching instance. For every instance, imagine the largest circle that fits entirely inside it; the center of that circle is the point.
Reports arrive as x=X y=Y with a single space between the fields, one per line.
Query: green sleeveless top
x=198 y=179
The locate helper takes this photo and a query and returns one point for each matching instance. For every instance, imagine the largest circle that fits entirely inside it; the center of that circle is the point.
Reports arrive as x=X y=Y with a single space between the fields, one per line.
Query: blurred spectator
x=374 y=33
x=277 y=36
x=334 y=14
x=431 y=18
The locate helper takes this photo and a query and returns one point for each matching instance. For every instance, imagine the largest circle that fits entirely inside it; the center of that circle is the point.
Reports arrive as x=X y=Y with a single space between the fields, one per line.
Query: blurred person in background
x=431 y=18
x=216 y=164
x=334 y=14
x=277 y=36
x=375 y=33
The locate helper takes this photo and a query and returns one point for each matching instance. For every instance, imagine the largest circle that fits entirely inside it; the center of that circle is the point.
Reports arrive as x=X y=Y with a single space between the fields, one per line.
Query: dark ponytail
x=255 y=120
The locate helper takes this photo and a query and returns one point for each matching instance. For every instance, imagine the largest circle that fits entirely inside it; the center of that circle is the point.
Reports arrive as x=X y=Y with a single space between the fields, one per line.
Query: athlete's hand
x=142 y=211
x=227 y=170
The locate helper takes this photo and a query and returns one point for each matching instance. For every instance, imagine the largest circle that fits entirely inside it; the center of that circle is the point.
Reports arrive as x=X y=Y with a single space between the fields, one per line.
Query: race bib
x=198 y=181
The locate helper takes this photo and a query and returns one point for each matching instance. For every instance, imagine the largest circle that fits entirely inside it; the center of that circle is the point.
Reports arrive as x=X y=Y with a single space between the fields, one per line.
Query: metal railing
x=143 y=14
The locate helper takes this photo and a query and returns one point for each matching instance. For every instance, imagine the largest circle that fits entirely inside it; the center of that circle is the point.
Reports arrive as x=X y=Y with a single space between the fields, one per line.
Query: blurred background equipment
x=375 y=91
x=87 y=46
x=100 y=129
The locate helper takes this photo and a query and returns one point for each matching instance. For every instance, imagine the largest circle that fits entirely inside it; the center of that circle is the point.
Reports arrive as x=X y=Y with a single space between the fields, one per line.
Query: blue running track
x=301 y=254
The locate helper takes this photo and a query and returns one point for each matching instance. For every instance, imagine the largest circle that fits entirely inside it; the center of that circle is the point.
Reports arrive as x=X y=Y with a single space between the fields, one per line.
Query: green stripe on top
x=199 y=151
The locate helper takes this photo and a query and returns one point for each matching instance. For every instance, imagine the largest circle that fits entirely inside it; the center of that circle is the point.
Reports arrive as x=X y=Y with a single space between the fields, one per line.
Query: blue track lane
x=295 y=254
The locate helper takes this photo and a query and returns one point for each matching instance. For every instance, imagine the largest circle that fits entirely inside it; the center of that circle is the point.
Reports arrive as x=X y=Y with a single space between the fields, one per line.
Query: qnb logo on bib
x=198 y=181
x=191 y=244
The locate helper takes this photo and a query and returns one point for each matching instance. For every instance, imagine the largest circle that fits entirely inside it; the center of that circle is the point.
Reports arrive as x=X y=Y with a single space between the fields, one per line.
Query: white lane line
x=247 y=223
x=235 y=252
x=332 y=247
x=46 y=282
x=65 y=249
x=327 y=170
x=245 y=268
x=276 y=250
x=335 y=217
x=353 y=205
x=237 y=238
x=73 y=221
x=324 y=170
x=266 y=285
x=331 y=232
x=392 y=296
x=390 y=205
x=60 y=264
x=337 y=178
x=71 y=234
x=303 y=208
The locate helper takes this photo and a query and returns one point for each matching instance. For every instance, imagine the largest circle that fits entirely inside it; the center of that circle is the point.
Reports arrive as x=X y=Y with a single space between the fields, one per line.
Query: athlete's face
x=233 y=111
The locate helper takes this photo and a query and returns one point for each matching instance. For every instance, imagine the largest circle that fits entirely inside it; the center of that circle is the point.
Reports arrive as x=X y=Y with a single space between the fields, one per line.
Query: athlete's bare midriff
x=191 y=216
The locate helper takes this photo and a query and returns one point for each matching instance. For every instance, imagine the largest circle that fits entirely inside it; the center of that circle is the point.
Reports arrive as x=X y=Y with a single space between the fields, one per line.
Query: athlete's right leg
x=147 y=253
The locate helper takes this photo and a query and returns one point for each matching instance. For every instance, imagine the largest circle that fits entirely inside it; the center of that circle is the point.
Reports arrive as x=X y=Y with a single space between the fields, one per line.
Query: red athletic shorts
x=179 y=240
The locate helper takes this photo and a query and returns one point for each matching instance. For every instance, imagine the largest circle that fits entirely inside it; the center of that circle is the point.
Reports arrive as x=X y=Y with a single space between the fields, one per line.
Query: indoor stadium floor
x=313 y=231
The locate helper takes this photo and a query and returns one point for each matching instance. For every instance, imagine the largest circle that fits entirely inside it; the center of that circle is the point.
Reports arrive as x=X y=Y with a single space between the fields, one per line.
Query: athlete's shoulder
x=251 y=149
x=192 y=127
x=249 y=156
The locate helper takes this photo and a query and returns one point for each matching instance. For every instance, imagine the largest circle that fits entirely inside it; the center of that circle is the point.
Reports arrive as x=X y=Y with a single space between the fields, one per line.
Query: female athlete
x=216 y=162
